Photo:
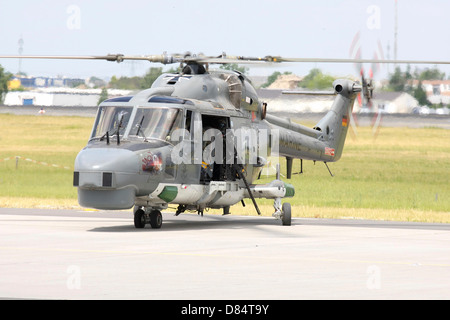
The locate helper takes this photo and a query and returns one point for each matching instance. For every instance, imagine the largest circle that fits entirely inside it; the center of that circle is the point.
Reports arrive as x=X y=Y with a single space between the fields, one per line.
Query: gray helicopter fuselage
x=149 y=149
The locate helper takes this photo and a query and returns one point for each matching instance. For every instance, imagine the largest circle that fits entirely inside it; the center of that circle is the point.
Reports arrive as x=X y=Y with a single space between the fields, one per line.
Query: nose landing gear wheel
x=156 y=219
x=286 y=214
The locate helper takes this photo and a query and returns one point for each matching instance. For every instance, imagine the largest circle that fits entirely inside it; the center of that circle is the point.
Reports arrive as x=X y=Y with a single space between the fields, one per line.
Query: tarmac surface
x=70 y=254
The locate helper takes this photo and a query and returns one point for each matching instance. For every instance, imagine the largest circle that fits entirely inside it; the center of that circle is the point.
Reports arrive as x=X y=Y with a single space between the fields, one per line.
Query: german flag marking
x=344 y=121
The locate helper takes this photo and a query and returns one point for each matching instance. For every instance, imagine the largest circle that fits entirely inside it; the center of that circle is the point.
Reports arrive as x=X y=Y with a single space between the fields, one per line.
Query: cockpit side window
x=155 y=123
x=111 y=120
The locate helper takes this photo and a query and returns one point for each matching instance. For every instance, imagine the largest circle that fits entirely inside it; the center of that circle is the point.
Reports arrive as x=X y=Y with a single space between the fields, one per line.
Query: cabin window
x=156 y=123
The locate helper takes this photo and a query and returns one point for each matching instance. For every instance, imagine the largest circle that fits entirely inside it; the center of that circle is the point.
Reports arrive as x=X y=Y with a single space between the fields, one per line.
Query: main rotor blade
x=278 y=59
x=238 y=59
x=107 y=57
x=163 y=58
x=168 y=59
x=324 y=60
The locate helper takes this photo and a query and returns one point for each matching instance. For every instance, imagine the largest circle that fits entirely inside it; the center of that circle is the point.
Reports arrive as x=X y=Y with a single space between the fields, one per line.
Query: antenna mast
x=396 y=31
x=20 y=53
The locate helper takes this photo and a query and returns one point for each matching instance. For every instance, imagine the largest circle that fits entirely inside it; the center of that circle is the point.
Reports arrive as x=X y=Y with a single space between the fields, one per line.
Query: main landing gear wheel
x=286 y=214
x=156 y=219
x=139 y=219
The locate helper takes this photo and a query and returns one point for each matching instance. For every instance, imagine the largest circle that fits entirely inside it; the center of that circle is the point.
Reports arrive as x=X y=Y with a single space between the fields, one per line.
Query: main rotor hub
x=193 y=68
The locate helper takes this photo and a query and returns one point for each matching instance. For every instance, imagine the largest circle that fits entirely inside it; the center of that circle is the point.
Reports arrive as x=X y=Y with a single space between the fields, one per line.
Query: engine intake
x=346 y=87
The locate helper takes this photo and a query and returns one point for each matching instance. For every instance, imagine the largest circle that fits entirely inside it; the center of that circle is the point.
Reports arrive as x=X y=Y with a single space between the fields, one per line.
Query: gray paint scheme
x=219 y=95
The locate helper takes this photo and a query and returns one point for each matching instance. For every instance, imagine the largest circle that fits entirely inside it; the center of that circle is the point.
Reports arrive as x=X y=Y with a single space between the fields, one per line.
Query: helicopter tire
x=139 y=219
x=156 y=219
x=286 y=214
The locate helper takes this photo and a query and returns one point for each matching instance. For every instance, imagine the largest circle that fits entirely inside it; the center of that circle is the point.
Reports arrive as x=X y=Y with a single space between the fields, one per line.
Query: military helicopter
x=199 y=139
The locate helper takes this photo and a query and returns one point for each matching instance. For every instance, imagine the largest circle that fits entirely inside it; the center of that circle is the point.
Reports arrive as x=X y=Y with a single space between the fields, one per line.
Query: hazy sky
x=294 y=28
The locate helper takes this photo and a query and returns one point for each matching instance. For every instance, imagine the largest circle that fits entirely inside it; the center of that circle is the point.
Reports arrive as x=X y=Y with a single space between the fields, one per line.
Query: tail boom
x=325 y=142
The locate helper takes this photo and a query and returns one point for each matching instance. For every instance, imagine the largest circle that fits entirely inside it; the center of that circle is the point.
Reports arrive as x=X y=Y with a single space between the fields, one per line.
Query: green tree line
x=135 y=83
x=314 y=80
x=402 y=81
x=4 y=78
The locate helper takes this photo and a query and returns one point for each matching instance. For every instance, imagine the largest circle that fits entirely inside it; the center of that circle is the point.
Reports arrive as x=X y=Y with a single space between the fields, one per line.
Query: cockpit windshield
x=110 y=121
x=156 y=123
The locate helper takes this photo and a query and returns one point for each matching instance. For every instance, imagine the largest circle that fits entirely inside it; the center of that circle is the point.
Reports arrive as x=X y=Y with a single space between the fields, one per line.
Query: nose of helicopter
x=106 y=178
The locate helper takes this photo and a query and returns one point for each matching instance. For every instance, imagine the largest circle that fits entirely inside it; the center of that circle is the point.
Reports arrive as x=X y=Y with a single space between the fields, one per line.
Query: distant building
x=43 y=82
x=438 y=91
x=286 y=81
x=394 y=102
x=65 y=97
x=13 y=84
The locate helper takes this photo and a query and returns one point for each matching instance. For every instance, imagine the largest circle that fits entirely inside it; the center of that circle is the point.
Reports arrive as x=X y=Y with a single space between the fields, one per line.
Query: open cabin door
x=214 y=160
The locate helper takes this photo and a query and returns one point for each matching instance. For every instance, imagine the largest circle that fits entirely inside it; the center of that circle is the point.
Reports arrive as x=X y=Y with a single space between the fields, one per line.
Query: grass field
x=403 y=174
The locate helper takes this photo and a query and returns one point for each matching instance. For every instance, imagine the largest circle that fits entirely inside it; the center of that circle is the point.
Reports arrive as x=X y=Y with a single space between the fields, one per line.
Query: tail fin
x=334 y=125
